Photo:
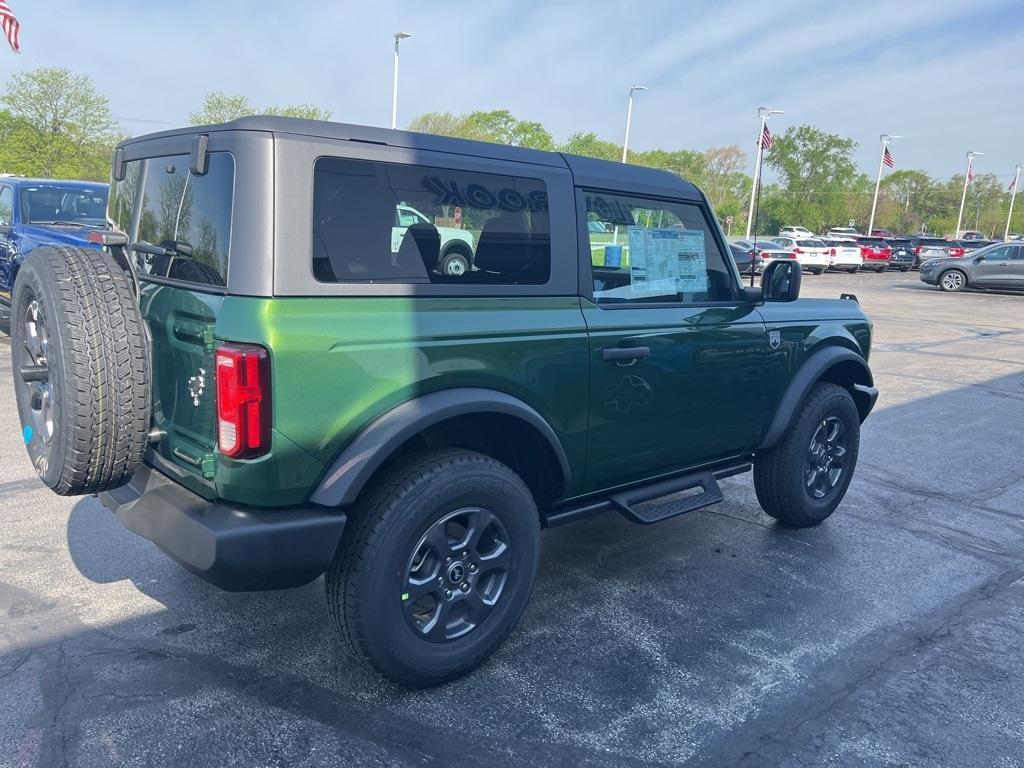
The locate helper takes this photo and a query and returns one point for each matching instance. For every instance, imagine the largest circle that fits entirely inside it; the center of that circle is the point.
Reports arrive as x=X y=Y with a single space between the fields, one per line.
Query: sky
x=948 y=75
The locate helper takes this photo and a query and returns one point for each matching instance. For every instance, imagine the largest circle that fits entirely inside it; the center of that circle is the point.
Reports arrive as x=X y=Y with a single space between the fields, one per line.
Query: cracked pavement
x=888 y=636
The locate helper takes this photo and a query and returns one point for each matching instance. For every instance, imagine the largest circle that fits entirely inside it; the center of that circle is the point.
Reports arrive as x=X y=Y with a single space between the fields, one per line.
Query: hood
x=43 y=234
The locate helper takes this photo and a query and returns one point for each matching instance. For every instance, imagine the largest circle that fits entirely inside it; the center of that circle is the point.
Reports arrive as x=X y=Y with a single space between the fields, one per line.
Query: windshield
x=64 y=205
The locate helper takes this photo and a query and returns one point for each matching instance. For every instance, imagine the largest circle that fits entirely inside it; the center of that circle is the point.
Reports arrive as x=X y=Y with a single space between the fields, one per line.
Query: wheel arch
x=488 y=421
x=833 y=364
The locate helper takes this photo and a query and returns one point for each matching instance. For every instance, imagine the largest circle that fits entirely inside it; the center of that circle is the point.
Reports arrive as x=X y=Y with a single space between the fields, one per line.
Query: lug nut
x=440 y=580
x=464 y=586
x=447 y=559
x=448 y=593
x=465 y=555
x=472 y=567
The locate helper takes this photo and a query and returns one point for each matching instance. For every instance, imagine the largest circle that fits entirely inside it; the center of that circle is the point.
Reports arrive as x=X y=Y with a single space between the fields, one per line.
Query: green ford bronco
x=250 y=375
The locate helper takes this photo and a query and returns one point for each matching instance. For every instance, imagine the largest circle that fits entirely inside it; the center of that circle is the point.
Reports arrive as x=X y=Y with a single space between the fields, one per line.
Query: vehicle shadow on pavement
x=717 y=638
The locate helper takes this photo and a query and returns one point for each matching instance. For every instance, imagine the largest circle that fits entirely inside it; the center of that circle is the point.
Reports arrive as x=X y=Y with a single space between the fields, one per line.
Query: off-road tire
x=364 y=586
x=951 y=285
x=779 y=472
x=78 y=308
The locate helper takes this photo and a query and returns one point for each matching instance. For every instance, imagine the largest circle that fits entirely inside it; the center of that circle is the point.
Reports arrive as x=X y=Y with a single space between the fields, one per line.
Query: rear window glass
x=386 y=223
x=875 y=241
x=810 y=243
x=932 y=241
x=179 y=223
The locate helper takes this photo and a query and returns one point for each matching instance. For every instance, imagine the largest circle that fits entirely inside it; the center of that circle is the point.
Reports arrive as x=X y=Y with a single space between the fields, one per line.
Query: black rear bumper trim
x=232 y=547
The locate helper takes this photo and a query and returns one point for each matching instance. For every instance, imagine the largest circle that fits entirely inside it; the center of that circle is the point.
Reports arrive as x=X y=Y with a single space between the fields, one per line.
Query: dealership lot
x=888 y=636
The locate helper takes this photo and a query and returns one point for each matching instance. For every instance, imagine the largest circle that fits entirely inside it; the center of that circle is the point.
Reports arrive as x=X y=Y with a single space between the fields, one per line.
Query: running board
x=710 y=493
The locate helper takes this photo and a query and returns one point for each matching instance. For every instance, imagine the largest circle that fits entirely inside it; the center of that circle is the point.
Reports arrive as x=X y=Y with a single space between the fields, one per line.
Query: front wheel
x=437 y=567
x=801 y=480
x=952 y=280
x=455 y=263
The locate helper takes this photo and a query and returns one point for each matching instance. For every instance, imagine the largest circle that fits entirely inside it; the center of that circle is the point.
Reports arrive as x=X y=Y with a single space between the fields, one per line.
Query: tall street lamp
x=629 y=117
x=399 y=37
x=1013 y=196
x=764 y=113
x=885 y=138
x=963 y=197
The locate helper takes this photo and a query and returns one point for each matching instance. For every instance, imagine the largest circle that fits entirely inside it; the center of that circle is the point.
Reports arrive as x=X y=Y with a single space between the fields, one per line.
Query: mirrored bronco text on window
x=385 y=223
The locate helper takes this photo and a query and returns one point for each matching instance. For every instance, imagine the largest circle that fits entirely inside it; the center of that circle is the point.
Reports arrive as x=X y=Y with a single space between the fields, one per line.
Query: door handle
x=622 y=354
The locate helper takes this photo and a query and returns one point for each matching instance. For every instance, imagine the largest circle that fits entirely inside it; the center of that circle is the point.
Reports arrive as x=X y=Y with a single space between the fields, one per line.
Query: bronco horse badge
x=196 y=386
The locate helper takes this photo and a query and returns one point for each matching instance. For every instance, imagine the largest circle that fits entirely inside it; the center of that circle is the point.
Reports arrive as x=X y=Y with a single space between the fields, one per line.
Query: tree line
x=55 y=123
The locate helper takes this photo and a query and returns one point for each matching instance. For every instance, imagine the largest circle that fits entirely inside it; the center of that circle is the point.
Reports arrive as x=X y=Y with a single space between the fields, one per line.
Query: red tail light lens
x=243 y=400
x=832 y=252
x=797 y=250
x=917 y=251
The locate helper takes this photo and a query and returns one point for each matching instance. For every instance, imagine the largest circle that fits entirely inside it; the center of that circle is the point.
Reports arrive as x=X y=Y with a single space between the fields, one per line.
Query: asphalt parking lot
x=889 y=636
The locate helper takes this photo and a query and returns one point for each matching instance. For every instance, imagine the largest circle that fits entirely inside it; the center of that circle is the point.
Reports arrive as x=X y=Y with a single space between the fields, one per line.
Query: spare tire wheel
x=81 y=369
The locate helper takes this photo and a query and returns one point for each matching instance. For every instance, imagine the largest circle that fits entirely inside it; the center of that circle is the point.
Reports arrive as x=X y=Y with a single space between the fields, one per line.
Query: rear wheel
x=455 y=263
x=437 y=567
x=801 y=480
x=81 y=369
x=952 y=280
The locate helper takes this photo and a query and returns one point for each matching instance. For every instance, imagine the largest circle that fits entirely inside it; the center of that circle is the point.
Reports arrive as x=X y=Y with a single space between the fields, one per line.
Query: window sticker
x=667 y=260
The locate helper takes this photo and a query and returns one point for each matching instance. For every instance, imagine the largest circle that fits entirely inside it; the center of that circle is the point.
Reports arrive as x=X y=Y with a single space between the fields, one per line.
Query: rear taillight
x=797 y=250
x=917 y=251
x=865 y=251
x=243 y=400
x=832 y=253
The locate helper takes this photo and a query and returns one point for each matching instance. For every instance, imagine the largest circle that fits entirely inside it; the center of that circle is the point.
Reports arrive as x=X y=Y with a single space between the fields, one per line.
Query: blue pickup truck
x=36 y=212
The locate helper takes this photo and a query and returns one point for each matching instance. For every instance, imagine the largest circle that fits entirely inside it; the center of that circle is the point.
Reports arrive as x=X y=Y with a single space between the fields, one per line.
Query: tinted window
x=6 y=206
x=186 y=215
x=1004 y=253
x=53 y=204
x=496 y=226
x=122 y=197
x=932 y=241
x=875 y=242
x=654 y=251
x=810 y=243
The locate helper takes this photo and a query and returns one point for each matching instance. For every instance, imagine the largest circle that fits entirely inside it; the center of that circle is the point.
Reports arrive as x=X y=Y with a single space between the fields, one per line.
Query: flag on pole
x=1013 y=183
x=766 y=135
x=888 y=159
x=970 y=170
x=10 y=25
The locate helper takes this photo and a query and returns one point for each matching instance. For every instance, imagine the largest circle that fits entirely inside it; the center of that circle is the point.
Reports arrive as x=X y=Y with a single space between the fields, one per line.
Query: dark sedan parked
x=902 y=256
x=998 y=266
x=746 y=259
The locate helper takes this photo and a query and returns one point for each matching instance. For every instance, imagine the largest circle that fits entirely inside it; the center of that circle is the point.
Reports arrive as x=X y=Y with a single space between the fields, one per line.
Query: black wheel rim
x=826 y=458
x=42 y=405
x=456 y=575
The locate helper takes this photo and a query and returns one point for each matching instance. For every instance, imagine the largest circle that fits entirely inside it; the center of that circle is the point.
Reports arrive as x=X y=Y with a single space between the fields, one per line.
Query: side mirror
x=781 y=281
x=978 y=259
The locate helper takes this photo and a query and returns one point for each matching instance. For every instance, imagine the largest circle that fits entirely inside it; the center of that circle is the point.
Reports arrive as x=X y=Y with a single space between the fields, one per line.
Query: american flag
x=1013 y=183
x=10 y=25
x=888 y=159
x=766 y=135
x=970 y=170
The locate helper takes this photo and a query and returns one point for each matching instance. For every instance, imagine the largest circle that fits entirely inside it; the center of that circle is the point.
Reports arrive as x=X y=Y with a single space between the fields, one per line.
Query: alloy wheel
x=41 y=396
x=826 y=457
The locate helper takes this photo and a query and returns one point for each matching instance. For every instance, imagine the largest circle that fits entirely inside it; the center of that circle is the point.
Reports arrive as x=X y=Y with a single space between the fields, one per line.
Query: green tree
x=589 y=145
x=821 y=185
x=444 y=124
x=220 y=107
x=56 y=124
x=498 y=126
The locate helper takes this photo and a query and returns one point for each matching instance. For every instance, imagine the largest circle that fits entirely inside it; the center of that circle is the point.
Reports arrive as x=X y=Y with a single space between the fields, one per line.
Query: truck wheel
x=455 y=263
x=437 y=567
x=854 y=270
x=81 y=369
x=952 y=280
x=801 y=480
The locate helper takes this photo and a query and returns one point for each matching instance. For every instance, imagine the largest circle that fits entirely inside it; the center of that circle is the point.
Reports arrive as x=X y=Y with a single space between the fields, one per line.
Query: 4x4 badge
x=196 y=385
x=774 y=339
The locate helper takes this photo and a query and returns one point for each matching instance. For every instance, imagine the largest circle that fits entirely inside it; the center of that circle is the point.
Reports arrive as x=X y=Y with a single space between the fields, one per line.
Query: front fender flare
x=362 y=457
x=809 y=374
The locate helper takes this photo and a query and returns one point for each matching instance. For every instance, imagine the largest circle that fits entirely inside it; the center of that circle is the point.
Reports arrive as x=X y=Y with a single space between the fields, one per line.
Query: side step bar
x=625 y=501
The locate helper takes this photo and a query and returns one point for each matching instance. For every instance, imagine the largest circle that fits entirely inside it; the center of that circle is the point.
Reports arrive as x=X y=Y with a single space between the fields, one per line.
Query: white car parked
x=795 y=232
x=842 y=232
x=844 y=254
x=812 y=253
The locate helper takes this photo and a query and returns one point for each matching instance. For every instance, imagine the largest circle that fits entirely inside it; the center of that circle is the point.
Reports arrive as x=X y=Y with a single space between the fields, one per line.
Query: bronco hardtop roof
x=586 y=171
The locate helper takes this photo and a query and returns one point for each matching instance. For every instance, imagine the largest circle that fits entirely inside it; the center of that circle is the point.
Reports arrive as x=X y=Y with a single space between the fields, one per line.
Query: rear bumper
x=232 y=547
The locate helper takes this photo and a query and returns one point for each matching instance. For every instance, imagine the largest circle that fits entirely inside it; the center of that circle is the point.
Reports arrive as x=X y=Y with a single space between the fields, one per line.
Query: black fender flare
x=365 y=454
x=810 y=373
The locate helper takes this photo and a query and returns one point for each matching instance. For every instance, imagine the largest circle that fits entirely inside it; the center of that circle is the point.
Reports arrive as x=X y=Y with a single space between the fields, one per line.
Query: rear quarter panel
x=339 y=363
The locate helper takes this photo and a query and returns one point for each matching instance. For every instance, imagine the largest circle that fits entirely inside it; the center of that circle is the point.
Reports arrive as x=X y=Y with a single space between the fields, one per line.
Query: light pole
x=764 y=113
x=963 y=197
x=885 y=138
x=629 y=118
x=1013 y=196
x=399 y=37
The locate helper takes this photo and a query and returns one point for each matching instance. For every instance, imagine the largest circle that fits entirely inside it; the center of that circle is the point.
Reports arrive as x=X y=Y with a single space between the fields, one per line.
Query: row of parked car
x=844 y=249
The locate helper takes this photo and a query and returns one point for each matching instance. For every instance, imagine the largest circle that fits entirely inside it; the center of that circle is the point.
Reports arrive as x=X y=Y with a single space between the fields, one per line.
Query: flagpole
x=764 y=113
x=963 y=197
x=885 y=139
x=1013 y=196
x=756 y=206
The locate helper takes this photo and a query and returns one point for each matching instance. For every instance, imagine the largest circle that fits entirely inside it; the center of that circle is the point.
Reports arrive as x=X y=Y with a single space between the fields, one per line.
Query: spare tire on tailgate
x=81 y=369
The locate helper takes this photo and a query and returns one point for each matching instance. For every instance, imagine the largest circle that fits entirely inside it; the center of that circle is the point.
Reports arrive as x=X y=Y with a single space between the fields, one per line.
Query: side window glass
x=999 y=254
x=122 y=197
x=6 y=206
x=646 y=250
x=451 y=226
x=185 y=221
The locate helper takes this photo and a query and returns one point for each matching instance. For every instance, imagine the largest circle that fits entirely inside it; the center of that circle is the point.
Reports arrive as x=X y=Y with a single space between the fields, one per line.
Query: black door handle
x=625 y=353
